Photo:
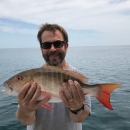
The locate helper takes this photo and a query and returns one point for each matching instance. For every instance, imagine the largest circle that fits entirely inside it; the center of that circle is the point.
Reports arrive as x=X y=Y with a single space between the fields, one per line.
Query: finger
x=74 y=90
x=67 y=91
x=23 y=91
x=31 y=92
x=36 y=94
x=80 y=91
x=63 y=97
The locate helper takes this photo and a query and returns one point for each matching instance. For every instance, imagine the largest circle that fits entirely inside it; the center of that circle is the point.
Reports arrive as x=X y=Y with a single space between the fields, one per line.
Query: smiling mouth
x=53 y=55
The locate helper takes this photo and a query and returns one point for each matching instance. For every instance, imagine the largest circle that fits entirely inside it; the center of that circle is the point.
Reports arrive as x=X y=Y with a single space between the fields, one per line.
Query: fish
x=50 y=80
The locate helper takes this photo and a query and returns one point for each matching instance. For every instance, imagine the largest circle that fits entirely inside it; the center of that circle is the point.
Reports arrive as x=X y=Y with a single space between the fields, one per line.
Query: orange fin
x=48 y=106
x=104 y=94
x=44 y=94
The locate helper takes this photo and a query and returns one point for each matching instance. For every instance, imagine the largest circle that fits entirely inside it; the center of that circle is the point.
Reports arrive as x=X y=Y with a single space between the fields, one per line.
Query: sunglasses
x=57 y=44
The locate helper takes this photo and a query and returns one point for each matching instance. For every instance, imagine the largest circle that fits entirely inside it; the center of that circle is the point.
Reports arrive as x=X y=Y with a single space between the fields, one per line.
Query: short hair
x=52 y=27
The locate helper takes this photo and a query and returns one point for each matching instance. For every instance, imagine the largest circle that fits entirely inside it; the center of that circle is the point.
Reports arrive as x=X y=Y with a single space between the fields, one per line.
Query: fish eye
x=19 y=78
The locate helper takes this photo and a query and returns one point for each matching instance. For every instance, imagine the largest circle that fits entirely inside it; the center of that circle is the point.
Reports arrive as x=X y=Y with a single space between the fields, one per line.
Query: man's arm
x=74 y=100
x=24 y=117
x=81 y=116
x=27 y=99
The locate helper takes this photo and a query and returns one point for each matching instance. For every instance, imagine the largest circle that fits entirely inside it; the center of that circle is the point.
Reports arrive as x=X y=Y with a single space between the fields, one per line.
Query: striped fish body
x=50 y=80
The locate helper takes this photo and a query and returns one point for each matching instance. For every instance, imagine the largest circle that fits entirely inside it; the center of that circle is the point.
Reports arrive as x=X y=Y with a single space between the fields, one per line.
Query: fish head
x=15 y=83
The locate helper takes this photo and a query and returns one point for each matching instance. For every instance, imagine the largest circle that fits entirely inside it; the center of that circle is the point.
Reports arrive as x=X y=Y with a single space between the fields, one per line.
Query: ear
x=66 y=46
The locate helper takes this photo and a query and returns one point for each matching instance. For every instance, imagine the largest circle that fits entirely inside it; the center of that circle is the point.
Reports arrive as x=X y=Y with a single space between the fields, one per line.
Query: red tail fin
x=104 y=94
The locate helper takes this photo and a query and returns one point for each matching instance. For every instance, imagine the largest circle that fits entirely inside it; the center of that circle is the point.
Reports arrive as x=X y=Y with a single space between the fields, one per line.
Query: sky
x=88 y=22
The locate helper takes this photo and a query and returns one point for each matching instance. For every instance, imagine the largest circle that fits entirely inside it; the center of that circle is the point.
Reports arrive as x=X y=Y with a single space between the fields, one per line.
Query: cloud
x=117 y=1
x=17 y=26
x=91 y=18
x=63 y=12
x=126 y=12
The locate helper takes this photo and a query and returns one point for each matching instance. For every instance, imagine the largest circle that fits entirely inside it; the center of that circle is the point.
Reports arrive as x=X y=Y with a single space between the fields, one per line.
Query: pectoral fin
x=44 y=94
x=47 y=106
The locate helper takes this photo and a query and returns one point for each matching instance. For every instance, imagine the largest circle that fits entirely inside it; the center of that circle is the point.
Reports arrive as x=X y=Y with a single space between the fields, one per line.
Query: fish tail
x=104 y=94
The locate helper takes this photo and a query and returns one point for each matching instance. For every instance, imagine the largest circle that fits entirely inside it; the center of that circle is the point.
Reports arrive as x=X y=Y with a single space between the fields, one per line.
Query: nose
x=52 y=48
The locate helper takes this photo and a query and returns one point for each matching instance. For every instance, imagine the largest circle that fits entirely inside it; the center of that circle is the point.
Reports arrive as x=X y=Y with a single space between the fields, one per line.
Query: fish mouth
x=7 y=87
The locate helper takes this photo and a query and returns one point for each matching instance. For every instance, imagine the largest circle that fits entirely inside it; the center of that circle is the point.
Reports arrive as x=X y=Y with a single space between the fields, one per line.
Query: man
x=75 y=107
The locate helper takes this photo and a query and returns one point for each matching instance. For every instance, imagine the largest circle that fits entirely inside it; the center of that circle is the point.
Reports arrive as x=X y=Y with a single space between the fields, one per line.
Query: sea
x=101 y=64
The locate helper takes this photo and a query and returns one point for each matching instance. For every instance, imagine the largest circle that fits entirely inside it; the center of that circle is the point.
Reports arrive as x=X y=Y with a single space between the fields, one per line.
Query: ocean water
x=100 y=64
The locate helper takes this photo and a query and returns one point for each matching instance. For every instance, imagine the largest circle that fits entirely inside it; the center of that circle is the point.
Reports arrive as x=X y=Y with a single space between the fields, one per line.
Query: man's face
x=53 y=56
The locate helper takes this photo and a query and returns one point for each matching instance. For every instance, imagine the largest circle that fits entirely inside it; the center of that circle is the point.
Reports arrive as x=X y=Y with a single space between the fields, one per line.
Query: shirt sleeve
x=88 y=102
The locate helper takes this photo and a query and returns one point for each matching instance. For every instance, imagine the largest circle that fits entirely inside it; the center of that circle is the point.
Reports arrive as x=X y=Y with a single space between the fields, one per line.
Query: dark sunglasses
x=57 y=44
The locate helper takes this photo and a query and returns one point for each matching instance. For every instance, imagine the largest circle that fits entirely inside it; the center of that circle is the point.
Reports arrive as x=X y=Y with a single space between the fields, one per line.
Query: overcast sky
x=88 y=22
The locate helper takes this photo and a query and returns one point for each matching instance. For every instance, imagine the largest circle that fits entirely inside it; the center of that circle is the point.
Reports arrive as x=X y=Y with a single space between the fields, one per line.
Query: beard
x=54 y=58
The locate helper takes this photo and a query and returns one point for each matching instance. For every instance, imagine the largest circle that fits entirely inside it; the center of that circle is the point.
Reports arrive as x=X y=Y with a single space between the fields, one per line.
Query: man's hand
x=72 y=95
x=27 y=99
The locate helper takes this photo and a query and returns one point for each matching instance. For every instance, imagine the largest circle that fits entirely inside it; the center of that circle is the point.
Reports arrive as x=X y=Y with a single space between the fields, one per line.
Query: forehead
x=51 y=36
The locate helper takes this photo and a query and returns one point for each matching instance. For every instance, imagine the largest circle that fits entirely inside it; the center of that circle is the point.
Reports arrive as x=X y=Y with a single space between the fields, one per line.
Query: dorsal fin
x=76 y=75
